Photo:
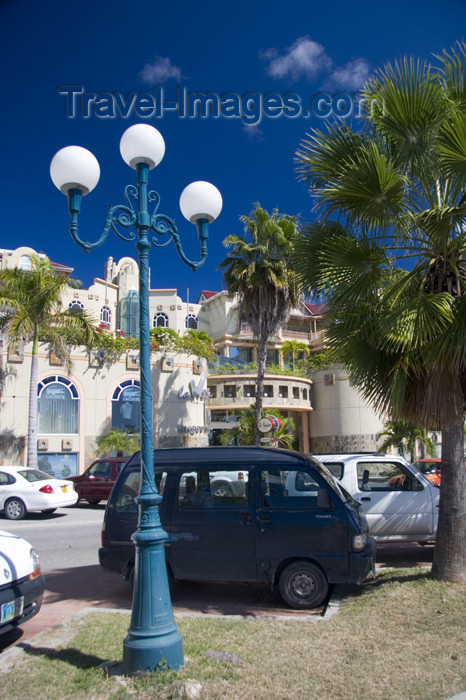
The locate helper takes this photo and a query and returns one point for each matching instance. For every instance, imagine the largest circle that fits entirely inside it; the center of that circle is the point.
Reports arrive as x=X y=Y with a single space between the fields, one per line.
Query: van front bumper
x=361 y=563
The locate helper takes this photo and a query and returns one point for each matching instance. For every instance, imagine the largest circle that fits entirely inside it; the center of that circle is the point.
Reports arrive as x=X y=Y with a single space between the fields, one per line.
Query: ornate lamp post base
x=153 y=639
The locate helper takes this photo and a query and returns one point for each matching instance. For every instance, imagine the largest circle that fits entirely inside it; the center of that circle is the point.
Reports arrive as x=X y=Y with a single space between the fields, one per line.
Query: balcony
x=237 y=391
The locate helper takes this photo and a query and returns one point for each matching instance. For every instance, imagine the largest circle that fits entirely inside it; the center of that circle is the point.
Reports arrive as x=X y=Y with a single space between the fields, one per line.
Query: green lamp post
x=153 y=637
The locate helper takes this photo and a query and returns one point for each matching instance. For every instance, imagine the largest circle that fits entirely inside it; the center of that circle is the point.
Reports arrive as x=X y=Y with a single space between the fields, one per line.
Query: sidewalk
x=69 y=591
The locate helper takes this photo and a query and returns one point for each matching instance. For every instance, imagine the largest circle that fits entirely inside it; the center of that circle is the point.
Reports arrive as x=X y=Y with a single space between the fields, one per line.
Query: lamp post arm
x=126 y=218
x=163 y=225
x=123 y=215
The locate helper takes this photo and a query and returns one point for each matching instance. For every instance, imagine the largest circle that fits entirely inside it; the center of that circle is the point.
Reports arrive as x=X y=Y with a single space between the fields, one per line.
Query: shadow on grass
x=385 y=578
x=71 y=656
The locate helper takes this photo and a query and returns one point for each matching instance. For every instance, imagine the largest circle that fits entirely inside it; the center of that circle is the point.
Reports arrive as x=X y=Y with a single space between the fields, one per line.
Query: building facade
x=192 y=403
x=101 y=391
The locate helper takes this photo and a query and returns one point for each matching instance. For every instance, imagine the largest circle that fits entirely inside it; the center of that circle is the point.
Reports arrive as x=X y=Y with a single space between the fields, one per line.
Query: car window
x=207 y=488
x=120 y=466
x=386 y=476
x=100 y=469
x=335 y=468
x=35 y=475
x=129 y=489
x=281 y=488
x=6 y=479
x=428 y=467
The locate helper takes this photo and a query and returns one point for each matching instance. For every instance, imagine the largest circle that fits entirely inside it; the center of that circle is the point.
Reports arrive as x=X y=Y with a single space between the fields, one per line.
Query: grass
x=400 y=636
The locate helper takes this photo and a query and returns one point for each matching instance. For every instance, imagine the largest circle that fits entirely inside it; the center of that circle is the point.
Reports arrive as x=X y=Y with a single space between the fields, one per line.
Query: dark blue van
x=245 y=514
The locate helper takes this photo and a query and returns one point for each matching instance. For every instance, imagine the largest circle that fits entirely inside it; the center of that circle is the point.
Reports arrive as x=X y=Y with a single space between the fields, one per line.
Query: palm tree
x=31 y=311
x=389 y=253
x=257 y=270
x=403 y=437
x=119 y=441
x=243 y=432
x=294 y=348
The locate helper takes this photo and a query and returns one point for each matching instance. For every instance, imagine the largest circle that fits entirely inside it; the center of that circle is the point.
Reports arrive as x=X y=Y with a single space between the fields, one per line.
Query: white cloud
x=254 y=132
x=304 y=58
x=159 y=71
x=350 y=77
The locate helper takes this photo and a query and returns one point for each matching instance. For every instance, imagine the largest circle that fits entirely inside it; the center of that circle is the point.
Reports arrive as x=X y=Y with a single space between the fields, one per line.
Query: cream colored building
x=342 y=420
x=235 y=345
x=189 y=405
x=98 y=393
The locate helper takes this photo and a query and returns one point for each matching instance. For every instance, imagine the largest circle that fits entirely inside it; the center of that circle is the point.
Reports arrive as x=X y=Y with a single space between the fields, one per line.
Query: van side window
x=289 y=489
x=205 y=488
x=386 y=476
x=129 y=489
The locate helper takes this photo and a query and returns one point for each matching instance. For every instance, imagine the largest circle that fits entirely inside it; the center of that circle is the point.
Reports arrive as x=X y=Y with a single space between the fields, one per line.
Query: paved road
x=68 y=538
x=68 y=543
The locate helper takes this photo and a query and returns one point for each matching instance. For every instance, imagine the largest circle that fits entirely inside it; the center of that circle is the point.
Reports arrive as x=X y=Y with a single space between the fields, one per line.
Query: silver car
x=399 y=502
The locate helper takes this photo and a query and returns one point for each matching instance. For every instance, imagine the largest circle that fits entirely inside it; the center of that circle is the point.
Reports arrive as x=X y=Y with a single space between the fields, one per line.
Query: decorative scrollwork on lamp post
x=152 y=637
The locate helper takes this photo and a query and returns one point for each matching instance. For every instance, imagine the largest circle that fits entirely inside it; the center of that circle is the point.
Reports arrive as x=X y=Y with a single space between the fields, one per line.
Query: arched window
x=126 y=406
x=76 y=306
x=25 y=262
x=105 y=316
x=160 y=320
x=58 y=406
x=129 y=313
x=191 y=322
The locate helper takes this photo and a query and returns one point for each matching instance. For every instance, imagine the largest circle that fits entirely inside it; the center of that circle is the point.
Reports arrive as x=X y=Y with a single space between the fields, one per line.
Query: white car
x=23 y=489
x=398 y=501
x=21 y=582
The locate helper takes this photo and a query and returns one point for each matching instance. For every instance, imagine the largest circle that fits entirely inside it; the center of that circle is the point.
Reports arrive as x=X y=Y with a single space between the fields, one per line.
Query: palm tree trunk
x=32 y=416
x=261 y=361
x=449 y=563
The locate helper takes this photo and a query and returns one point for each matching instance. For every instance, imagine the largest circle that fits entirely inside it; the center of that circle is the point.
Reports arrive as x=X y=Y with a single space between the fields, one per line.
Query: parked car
x=399 y=502
x=21 y=582
x=95 y=484
x=23 y=489
x=252 y=527
x=431 y=467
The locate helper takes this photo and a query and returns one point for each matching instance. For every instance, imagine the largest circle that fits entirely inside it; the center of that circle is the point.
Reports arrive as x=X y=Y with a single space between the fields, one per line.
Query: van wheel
x=303 y=585
x=14 y=509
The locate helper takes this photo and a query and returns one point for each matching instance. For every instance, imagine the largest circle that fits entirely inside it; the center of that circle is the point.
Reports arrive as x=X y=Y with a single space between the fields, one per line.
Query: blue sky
x=294 y=50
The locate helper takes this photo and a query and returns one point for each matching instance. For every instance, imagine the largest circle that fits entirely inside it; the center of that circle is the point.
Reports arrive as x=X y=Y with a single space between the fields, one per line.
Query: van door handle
x=365 y=498
x=265 y=517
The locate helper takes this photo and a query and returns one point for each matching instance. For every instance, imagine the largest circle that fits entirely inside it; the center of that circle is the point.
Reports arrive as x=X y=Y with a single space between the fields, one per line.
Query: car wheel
x=222 y=490
x=14 y=509
x=303 y=585
x=49 y=511
x=93 y=502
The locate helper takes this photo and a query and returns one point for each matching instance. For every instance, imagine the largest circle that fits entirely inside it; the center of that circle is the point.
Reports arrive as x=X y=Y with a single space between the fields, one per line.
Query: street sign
x=276 y=423
x=265 y=425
